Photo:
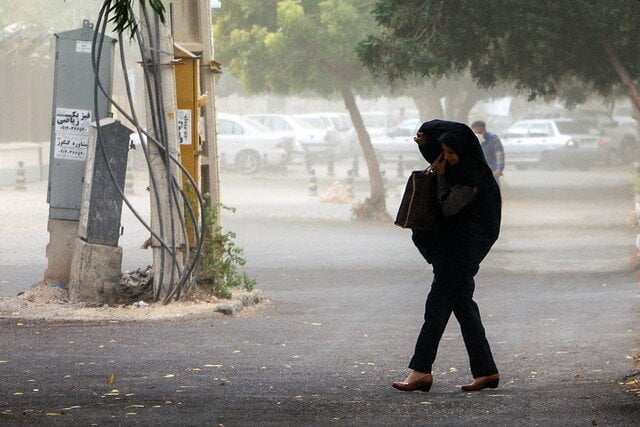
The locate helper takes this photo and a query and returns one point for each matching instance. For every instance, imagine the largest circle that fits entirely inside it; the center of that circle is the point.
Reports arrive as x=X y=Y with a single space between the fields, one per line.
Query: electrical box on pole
x=192 y=31
x=104 y=183
x=72 y=115
x=187 y=71
x=96 y=262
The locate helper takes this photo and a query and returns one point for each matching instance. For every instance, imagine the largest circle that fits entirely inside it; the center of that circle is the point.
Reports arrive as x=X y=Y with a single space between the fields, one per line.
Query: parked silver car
x=315 y=142
x=250 y=146
x=552 y=143
x=330 y=123
x=624 y=145
x=377 y=125
x=624 y=136
x=398 y=143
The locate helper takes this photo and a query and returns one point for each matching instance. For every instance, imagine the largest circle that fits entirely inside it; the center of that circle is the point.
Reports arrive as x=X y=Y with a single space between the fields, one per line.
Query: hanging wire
x=187 y=276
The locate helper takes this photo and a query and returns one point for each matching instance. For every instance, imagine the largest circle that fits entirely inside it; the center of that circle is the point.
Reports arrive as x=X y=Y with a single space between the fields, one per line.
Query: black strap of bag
x=419 y=206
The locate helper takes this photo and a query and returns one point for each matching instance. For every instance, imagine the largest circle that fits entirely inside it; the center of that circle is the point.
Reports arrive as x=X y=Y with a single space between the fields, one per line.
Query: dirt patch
x=41 y=294
x=632 y=382
x=51 y=302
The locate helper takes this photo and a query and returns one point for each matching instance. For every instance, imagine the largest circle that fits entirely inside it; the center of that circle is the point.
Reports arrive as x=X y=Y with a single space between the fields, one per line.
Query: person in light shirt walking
x=491 y=147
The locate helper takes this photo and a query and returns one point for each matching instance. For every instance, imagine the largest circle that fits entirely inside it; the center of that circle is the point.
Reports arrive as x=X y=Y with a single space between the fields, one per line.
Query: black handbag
x=419 y=206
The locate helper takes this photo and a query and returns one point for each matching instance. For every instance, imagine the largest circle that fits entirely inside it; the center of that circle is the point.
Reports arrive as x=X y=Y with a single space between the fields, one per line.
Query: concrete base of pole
x=62 y=238
x=95 y=273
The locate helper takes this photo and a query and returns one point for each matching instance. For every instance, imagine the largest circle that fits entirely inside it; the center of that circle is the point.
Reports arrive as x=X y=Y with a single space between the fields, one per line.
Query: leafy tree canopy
x=287 y=46
x=123 y=16
x=535 y=45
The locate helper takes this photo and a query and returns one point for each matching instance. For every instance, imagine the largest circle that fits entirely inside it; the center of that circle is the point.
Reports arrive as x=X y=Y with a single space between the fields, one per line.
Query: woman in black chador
x=466 y=229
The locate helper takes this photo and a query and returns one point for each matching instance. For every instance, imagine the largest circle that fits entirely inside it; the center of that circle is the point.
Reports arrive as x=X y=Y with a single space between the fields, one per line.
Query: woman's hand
x=439 y=165
x=419 y=138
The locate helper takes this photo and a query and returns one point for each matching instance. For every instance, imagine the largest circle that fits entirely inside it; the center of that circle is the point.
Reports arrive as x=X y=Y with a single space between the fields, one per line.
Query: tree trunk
x=627 y=81
x=375 y=206
x=427 y=99
x=428 y=106
x=463 y=109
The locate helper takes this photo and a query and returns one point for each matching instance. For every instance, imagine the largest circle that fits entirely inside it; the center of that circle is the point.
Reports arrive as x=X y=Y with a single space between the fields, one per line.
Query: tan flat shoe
x=490 y=381
x=423 y=384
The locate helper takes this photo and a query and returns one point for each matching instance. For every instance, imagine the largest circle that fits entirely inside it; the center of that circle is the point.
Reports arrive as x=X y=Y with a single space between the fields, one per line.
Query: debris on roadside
x=337 y=193
x=137 y=285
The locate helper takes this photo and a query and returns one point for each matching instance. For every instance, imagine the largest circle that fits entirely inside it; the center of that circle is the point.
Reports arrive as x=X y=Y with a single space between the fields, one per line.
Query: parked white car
x=315 y=142
x=407 y=127
x=336 y=125
x=397 y=143
x=249 y=146
x=624 y=136
x=377 y=125
x=323 y=123
x=623 y=133
x=552 y=143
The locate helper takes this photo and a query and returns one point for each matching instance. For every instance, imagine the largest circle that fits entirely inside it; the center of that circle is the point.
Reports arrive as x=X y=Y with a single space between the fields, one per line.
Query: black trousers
x=452 y=292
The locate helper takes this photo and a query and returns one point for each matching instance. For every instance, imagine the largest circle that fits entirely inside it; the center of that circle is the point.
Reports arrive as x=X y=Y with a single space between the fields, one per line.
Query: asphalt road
x=557 y=295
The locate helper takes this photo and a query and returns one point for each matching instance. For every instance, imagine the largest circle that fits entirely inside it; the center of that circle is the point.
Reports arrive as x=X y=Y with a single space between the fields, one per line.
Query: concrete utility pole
x=171 y=210
x=192 y=30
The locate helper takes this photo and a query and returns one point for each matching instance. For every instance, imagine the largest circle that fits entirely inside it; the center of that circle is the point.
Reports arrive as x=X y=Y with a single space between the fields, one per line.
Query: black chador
x=469 y=225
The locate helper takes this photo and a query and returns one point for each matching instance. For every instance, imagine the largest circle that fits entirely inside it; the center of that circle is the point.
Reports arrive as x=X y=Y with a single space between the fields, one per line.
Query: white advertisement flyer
x=184 y=127
x=72 y=133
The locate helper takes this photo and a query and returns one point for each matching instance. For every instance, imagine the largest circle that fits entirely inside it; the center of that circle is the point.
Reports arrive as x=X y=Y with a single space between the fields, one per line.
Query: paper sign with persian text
x=184 y=127
x=70 y=120
x=73 y=127
x=71 y=147
x=83 y=46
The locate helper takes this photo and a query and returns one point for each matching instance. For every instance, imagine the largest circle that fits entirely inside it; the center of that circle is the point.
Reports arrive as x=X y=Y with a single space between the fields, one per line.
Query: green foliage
x=123 y=18
x=538 y=46
x=222 y=258
x=289 y=46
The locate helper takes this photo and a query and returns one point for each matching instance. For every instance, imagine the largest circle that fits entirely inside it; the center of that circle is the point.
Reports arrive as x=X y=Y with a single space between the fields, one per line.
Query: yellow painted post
x=187 y=71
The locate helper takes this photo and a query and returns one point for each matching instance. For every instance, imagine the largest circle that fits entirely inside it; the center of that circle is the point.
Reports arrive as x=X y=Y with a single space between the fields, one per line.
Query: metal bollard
x=21 y=180
x=308 y=163
x=128 y=180
x=385 y=181
x=400 y=173
x=349 y=184
x=331 y=166
x=355 y=168
x=313 y=183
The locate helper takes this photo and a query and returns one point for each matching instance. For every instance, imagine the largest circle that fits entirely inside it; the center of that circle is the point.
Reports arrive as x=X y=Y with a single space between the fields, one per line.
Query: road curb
x=58 y=308
x=252 y=298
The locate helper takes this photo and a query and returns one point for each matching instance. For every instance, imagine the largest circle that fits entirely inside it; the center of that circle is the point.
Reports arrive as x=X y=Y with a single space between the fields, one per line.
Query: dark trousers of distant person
x=451 y=292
